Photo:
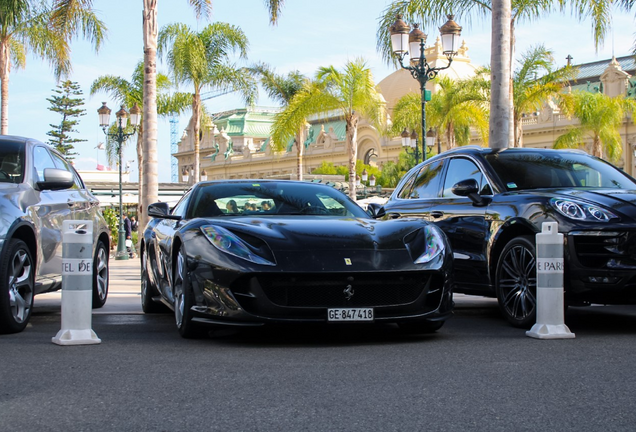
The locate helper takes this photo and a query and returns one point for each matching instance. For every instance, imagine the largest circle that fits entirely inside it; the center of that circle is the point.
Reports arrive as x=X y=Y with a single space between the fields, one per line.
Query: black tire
x=148 y=305
x=420 y=327
x=17 y=283
x=183 y=299
x=516 y=282
x=100 y=275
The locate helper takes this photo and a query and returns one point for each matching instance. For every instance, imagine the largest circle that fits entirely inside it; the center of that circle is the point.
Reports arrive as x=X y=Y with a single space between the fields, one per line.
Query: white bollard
x=77 y=284
x=550 y=310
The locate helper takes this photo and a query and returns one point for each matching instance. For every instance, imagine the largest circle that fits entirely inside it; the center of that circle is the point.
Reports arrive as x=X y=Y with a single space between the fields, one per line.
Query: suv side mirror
x=161 y=210
x=56 y=179
x=469 y=188
x=375 y=210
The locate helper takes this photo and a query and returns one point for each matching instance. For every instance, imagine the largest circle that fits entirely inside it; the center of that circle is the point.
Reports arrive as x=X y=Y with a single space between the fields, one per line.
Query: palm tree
x=201 y=59
x=600 y=118
x=130 y=92
x=457 y=106
x=283 y=88
x=531 y=93
x=350 y=92
x=149 y=144
x=47 y=32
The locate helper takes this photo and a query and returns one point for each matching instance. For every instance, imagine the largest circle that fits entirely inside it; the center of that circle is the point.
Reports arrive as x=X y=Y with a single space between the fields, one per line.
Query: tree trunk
x=300 y=147
x=150 y=183
x=140 y=167
x=514 y=142
x=352 y=147
x=500 y=75
x=196 y=126
x=452 y=143
x=5 y=62
x=518 y=128
x=597 y=148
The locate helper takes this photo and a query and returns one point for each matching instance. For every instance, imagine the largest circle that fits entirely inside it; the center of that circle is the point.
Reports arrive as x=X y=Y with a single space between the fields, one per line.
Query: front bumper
x=600 y=267
x=226 y=297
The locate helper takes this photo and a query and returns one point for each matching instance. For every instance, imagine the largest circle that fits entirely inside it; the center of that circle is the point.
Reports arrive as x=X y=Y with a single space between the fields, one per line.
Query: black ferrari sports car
x=252 y=252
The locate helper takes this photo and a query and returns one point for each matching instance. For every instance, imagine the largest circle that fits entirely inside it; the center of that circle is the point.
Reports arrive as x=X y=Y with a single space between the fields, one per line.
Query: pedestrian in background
x=128 y=232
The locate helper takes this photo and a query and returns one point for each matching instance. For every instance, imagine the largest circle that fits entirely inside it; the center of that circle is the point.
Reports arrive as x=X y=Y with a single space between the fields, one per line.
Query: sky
x=309 y=34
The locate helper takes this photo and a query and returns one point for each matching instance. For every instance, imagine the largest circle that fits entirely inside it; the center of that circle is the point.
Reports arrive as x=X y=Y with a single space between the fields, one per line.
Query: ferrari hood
x=323 y=233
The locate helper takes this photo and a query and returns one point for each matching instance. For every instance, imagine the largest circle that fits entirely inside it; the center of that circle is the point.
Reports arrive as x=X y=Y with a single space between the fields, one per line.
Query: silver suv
x=38 y=190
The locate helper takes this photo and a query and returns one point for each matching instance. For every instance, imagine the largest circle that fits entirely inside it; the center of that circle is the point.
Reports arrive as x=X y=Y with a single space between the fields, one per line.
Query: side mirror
x=469 y=188
x=375 y=210
x=161 y=210
x=56 y=179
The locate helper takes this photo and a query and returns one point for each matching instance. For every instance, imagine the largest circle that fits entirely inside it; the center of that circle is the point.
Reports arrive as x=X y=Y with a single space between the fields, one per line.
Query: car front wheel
x=516 y=282
x=148 y=305
x=183 y=300
x=17 y=281
x=100 y=275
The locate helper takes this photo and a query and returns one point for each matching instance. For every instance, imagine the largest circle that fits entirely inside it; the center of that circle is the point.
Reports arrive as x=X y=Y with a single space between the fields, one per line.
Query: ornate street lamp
x=430 y=139
x=119 y=136
x=402 y=43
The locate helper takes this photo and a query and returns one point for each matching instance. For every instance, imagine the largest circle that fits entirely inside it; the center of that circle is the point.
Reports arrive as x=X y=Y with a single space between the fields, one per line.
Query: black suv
x=491 y=203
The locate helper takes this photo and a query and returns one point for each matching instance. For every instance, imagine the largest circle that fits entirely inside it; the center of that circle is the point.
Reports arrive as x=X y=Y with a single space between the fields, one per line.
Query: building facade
x=240 y=147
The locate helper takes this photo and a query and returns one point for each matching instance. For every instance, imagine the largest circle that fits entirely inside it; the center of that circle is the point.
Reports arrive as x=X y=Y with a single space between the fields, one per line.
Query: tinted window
x=531 y=170
x=265 y=198
x=181 y=206
x=11 y=162
x=463 y=169
x=427 y=183
x=406 y=189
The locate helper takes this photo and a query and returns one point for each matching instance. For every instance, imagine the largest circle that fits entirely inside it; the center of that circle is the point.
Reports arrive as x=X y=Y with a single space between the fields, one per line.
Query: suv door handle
x=71 y=203
x=437 y=214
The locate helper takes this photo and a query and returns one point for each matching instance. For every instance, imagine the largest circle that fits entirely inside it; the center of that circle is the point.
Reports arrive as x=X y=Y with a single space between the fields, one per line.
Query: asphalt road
x=476 y=373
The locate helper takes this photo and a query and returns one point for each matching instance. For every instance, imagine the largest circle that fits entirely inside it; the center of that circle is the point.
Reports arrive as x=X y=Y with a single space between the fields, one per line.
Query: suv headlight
x=230 y=243
x=578 y=210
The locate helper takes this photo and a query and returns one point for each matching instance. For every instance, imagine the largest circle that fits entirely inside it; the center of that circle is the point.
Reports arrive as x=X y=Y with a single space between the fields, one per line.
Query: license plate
x=350 y=314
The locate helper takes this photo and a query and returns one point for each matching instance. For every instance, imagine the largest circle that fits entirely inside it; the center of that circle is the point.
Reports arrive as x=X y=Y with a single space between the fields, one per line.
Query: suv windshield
x=520 y=170
x=271 y=198
x=11 y=162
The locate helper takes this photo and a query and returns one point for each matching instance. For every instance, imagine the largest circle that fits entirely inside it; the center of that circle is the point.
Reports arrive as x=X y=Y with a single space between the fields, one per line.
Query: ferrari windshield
x=11 y=162
x=270 y=198
x=520 y=170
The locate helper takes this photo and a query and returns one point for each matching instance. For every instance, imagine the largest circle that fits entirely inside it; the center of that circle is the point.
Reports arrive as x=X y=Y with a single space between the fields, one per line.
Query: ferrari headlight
x=227 y=242
x=433 y=245
x=578 y=210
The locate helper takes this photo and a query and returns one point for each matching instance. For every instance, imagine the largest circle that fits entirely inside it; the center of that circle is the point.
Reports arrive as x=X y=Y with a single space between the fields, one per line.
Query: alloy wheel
x=20 y=286
x=179 y=293
x=101 y=273
x=517 y=283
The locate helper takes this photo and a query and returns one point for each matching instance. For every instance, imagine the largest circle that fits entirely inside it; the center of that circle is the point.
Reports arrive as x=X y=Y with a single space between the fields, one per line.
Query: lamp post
x=120 y=137
x=412 y=43
x=430 y=139
x=409 y=140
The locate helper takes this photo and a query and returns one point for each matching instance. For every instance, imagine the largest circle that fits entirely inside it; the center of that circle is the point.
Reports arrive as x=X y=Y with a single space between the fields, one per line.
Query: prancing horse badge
x=347 y=261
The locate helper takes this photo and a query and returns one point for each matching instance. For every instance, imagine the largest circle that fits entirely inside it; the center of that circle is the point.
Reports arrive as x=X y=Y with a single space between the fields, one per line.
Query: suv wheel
x=516 y=282
x=100 y=275
x=17 y=283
